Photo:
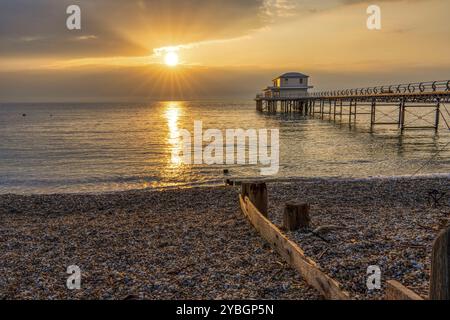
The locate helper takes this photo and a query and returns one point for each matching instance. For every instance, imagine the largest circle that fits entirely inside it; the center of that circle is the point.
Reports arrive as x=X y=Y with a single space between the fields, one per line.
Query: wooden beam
x=396 y=291
x=293 y=254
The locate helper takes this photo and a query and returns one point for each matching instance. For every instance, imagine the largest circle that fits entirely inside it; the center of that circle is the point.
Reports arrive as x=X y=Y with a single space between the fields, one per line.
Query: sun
x=171 y=59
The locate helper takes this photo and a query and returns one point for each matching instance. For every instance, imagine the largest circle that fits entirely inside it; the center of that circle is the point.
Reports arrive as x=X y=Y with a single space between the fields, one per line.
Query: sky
x=227 y=49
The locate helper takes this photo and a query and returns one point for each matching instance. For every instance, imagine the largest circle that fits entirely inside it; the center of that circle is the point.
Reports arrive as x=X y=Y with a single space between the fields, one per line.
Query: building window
x=301 y=81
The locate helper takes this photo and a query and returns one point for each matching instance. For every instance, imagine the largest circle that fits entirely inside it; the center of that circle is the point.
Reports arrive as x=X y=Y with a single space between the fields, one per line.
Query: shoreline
x=194 y=243
x=282 y=180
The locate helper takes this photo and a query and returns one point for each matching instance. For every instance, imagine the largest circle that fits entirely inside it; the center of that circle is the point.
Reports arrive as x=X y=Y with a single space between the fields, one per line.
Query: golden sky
x=227 y=49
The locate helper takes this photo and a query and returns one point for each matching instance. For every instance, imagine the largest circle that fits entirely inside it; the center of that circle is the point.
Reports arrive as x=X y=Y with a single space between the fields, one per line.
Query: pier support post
x=329 y=110
x=296 y=215
x=322 y=107
x=257 y=193
x=440 y=267
x=334 y=110
x=401 y=119
x=438 y=113
x=350 y=114
x=372 y=114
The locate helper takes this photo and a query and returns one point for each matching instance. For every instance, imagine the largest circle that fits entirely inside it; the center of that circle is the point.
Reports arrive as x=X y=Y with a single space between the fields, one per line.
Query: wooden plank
x=293 y=254
x=396 y=291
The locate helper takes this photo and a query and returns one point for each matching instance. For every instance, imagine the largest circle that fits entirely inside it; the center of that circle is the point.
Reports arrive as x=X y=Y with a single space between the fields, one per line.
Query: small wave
x=345 y=178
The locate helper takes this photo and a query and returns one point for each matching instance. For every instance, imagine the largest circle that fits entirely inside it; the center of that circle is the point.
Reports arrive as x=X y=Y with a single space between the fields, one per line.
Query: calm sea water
x=109 y=147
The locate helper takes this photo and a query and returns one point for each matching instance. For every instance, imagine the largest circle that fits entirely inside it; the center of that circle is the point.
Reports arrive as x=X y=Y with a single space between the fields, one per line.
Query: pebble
x=173 y=244
x=391 y=225
x=196 y=244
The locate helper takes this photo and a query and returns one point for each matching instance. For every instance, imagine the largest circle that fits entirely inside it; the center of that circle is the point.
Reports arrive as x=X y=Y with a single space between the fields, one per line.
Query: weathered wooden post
x=440 y=267
x=257 y=193
x=245 y=189
x=296 y=215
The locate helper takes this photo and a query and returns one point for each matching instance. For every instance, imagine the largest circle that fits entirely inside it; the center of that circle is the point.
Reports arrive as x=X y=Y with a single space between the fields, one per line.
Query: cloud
x=279 y=8
x=87 y=37
x=37 y=28
x=377 y=1
x=124 y=27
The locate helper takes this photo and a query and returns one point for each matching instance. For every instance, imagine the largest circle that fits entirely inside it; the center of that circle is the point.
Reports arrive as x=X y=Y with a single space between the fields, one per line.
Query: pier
x=391 y=105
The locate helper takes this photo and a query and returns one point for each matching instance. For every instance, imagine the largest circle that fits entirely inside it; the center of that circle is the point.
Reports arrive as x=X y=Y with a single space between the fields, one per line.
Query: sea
x=50 y=148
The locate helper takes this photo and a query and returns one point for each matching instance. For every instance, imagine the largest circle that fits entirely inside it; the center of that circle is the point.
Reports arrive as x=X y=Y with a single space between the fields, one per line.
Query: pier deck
x=386 y=105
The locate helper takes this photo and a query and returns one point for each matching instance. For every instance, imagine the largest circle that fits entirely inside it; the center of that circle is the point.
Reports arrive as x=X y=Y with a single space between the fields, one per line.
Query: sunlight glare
x=172 y=114
x=171 y=59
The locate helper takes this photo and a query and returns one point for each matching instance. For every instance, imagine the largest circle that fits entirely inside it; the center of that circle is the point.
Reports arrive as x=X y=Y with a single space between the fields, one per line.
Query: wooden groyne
x=290 y=251
x=439 y=277
x=391 y=105
x=254 y=204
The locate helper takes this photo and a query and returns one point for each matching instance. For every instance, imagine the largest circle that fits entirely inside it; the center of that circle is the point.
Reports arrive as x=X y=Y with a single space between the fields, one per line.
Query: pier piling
x=334 y=104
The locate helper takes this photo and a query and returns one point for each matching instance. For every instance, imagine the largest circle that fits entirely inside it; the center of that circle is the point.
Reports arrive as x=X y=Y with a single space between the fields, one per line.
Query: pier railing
x=408 y=88
x=442 y=86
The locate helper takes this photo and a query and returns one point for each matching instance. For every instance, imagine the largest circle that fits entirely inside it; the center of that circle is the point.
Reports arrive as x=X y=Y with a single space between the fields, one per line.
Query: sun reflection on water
x=172 y=114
